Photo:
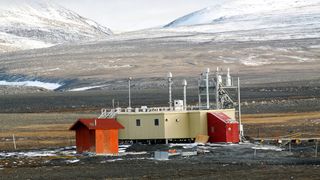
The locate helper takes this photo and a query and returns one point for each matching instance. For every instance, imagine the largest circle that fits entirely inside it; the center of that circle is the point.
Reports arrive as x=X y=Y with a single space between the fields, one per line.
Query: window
x=138 y=123
x=156 y=122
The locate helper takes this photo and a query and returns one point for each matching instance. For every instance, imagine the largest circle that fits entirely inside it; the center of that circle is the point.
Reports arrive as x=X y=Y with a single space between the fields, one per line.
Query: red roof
x=223 y=117
x=96 y=123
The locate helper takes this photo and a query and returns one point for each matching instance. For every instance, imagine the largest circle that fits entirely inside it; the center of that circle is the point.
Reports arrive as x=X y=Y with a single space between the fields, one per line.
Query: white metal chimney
x=184 y=83
x=228 y=80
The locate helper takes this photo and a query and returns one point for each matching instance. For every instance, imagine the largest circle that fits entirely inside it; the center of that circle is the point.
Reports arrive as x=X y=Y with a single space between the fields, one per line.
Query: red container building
x=97 y=135
x=221 y=128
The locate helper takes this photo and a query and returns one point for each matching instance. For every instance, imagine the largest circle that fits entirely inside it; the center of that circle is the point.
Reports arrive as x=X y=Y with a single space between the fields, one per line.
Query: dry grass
x=282 y=124
x=52 y=129
x=280 y=117
x=38 y=130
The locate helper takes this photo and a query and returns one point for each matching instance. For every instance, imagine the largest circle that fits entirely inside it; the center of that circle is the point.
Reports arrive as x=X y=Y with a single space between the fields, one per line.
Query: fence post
x=316 y=150
x=14 y=142
x=290 y=146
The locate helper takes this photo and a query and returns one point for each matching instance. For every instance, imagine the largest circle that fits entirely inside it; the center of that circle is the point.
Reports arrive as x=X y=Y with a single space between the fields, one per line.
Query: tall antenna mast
x=207 y=88
x=170 y=89
x=199 y=91
x=217 y=88
x=239 y=111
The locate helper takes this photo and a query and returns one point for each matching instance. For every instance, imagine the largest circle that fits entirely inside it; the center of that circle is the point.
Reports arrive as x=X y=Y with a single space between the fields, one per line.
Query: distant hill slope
x=29 y=24
x=224 y=10
x=259 y=43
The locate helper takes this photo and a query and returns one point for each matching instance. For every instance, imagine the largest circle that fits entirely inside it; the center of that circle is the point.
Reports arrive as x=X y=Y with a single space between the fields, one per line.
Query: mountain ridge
x=231 y=8
x=43 y=24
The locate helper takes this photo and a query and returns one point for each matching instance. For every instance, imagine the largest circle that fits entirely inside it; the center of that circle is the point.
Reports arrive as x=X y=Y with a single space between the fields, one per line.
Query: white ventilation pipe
x=228 y=80
x=184 y=83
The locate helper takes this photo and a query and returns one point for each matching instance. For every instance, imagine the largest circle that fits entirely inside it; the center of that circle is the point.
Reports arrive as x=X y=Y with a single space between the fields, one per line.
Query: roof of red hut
x=223 y=117
x=95 y=123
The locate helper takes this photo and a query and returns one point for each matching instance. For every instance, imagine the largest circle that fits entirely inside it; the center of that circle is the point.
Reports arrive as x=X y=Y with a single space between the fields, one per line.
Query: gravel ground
x=219 y=161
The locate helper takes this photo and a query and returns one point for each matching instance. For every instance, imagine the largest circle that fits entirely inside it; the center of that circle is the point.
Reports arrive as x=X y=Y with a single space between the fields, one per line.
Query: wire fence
x=11 y=143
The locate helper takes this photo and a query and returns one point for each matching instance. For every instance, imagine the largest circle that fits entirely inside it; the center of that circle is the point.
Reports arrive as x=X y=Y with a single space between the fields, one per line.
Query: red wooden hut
x=97 y=135
x=221 y=128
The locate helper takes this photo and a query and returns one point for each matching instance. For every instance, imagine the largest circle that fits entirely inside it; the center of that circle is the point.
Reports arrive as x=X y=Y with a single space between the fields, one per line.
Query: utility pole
x=199 y=92
x=170 y=89
x=239 y=111
x=316 y=150
x=129 y=84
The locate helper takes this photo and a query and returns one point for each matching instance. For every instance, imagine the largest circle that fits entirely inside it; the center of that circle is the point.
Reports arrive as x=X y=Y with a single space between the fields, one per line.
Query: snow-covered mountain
x=28 y=24
x=223 y=10
x=251 y=20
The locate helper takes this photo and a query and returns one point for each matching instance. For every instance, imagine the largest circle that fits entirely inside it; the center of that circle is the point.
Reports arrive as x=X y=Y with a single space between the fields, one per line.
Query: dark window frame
x=138 y=122
x=156 y=122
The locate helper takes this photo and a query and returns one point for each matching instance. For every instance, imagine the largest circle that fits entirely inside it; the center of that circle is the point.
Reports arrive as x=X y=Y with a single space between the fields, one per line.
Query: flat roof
x=173 y=112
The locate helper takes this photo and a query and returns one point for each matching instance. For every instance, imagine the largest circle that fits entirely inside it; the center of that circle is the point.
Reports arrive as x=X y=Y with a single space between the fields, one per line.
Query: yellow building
x=165 y=124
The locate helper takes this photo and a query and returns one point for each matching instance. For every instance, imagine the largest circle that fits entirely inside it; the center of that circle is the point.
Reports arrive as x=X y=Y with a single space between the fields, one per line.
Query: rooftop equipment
x=221 y=90
x=178 y=105
x=207 y=85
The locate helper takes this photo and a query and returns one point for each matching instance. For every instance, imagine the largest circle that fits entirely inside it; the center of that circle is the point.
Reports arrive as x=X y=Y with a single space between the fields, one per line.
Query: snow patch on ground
x=28 y=154
x=85 y=88
x=72 y=161
x=132 y=153
x=45 y=85
x=267 y=147
x=12 y=42
x=185 y=146
x=67 y=151
x=117 y=66
x=113 y=160
x=248 y=145
x=315 y=46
